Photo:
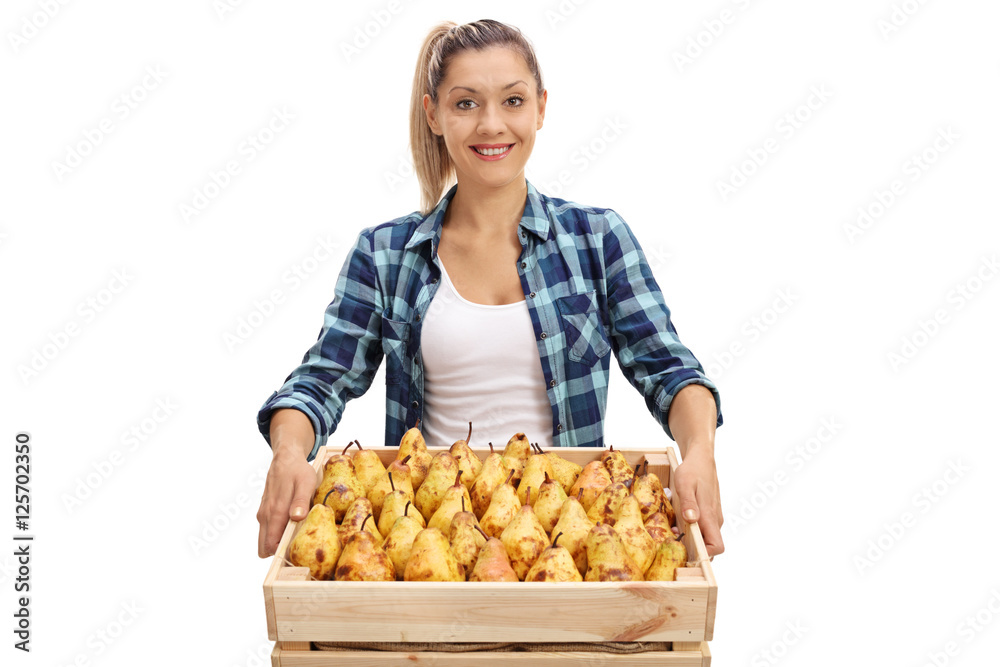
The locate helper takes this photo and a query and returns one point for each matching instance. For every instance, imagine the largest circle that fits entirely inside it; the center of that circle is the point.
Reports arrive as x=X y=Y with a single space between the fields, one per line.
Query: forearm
x=692 y=419
x=291 y=433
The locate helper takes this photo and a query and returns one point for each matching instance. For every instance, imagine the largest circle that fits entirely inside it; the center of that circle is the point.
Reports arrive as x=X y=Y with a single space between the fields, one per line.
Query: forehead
x=490 y=68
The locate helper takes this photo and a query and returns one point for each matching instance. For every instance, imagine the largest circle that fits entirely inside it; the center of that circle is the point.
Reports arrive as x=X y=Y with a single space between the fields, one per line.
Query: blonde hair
x=431 y=161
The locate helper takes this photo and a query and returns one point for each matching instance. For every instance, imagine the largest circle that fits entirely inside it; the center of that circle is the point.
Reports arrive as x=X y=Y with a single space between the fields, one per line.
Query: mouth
x=491 y=151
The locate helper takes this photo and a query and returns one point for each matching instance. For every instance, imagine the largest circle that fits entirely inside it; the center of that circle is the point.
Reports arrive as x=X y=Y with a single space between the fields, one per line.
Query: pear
x=515 y=454
x=428 y=497
x=592 y=480
x=431 y=559
x=607 y=559
x=490 y=476
x=638 y=543
x=393 y=507
x=617 y=466
x=565 y=472
x=670 y=555
x=524 y=539
x=551 y=498
x=455 y=500
x=363 y=559
x=412 y=444
x=467 y=538
x=555 y=564
x=354 y=521
x=536 y=470
x=367 y=465
x=468 y=462
x=604 y=507
x=396 y=477
x=658 y=527
x=649 y=492
x=399 y=542
x=316 y=545
x=340 y=486
x=503 y=506
x=492 y=563
x=574 y=526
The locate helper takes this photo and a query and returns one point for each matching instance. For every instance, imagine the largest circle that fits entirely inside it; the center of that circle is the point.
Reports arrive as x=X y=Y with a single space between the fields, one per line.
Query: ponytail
x=431 y=161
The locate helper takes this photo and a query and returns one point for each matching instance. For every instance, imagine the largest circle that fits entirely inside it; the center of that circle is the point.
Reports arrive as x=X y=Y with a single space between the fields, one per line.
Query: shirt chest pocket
x=586 y=341
x=395 y=338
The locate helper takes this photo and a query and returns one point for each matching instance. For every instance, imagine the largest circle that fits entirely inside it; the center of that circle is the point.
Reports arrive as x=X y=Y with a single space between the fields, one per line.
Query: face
x=488 y=111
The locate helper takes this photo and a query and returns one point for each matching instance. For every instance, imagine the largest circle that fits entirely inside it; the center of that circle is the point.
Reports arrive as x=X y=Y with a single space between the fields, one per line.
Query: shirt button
x=531 y=296
x=544 y=336
x=418 y=317
x=559 y=428
x=434 y=281
x=524 y=265
x=415 y=405
x=552 y=383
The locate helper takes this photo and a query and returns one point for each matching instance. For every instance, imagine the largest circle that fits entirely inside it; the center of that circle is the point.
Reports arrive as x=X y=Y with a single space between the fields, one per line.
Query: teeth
x=491 y=151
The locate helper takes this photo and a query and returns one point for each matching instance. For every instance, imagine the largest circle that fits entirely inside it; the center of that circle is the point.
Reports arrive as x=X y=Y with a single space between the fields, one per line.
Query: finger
x=713 y=538
x=687 y=499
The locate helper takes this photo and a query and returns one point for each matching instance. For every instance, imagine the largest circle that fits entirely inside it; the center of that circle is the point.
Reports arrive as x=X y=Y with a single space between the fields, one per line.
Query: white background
x=842 y=546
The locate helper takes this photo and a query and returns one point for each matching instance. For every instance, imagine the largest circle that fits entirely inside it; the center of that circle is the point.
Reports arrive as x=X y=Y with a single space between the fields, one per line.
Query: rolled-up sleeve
x=645 y=341
x=342 y=362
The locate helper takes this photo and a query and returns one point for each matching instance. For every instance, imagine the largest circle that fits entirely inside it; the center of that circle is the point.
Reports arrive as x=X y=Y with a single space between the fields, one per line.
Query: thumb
x=687 y=499
x=301 y=501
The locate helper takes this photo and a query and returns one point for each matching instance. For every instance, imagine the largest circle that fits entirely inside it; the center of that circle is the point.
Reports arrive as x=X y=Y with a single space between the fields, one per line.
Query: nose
x=491 y=121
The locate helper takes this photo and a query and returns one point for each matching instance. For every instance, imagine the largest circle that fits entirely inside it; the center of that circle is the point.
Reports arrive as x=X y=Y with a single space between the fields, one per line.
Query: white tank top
x=481 y=365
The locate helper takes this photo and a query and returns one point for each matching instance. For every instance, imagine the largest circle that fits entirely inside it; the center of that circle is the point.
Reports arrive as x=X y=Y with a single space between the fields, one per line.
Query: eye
x=465 y=104
x=515 y=100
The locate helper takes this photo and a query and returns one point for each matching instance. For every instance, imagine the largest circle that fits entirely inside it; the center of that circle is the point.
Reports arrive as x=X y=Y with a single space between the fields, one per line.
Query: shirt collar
x=535 y=219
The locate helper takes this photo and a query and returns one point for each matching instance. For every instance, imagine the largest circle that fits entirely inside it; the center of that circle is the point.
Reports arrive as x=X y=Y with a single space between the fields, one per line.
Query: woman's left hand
x=698 y=498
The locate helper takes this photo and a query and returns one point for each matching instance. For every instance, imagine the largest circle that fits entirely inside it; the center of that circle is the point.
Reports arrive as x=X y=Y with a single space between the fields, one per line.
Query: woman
x=464 y=299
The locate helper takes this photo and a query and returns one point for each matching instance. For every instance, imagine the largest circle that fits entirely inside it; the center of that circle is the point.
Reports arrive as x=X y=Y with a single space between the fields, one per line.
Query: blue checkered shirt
x=589 y=291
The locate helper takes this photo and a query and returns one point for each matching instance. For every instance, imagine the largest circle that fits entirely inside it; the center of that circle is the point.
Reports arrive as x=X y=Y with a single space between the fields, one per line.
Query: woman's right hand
x=291 y=480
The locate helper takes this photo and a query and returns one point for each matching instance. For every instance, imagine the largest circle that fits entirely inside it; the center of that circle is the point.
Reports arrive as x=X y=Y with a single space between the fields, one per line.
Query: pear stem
x=556 y=538
x=491 y=447
x=527 y=496
x=417 y=425
x=546 y=475
x=406 y=507
x=458 y=479
x=359 y=445
x=392 y=485
x=407 y=458
x=481 y=532
x=645 y=468
x=328 y=494
x=635 y=472
x=463 y=503
x=469 y=437
x=681 y=536
x=579 y=496
x=349 y=445
x=363 y=522
x=509 y=475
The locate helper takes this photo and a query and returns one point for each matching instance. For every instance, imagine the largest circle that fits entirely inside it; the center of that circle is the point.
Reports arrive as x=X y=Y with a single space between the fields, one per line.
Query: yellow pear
x=648 y=490
x=658 y=527
x=592 y=480
x=467 y=538
x=440 y=475
x=604 y=507
x=536 y=470
x=431 y=559
x=468 y=462
x=607 y=559
x=503 y=506
x=355 y=521
x=399 y=542
x=316 y=545
x=515 y=454
x=524 y=539
x=548 y=506
x=396 y=478
x=492 y=563
x=490 y=476
x=565 y=472
x=617 y=466
x=393 y=507
x=340 y=486
x=555 y=564
x=638 y=543
x=574 y=526
x=670 y=555
x=412 y=444
x=367 y=465
x=455 y=500
x=363 y=559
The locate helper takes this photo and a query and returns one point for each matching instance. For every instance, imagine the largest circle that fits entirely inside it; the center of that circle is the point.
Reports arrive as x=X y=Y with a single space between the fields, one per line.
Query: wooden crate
x=682 y=611
x=692 y=654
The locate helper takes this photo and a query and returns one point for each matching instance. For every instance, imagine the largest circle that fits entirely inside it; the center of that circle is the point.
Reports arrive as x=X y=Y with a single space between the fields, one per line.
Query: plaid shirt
x=589 y=291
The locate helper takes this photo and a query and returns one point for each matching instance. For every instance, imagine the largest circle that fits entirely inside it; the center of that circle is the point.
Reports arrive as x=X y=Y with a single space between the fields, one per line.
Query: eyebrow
x=473 y=90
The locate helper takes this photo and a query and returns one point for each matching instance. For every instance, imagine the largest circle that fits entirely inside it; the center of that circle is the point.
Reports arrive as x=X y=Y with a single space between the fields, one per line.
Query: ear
x=430 y=109
x=541 y=108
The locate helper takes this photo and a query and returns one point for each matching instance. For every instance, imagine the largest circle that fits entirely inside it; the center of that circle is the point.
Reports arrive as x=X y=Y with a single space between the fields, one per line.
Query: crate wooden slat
x=689 y=655
x=677 y=611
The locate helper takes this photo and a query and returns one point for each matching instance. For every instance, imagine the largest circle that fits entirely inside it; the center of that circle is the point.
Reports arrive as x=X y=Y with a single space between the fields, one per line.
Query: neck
x=479 y=209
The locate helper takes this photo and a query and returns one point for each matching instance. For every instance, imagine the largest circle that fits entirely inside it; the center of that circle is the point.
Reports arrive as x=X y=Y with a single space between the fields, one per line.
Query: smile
x=492 y=152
